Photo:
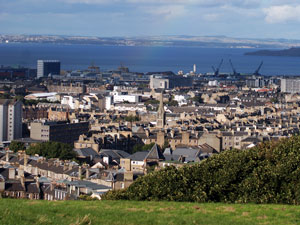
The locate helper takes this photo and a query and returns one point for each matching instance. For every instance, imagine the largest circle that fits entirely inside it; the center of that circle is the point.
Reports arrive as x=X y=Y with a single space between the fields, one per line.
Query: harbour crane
x=217 y=71
x=258 y=69
x=233 y=69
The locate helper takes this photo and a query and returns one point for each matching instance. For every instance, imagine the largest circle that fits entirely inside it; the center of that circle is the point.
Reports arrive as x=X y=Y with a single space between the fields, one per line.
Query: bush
x=86 y=198
x=268 y=173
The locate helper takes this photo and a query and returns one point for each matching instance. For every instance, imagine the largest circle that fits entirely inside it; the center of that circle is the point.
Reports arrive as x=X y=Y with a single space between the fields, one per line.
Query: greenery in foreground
x=16 y=211
x=268 y=173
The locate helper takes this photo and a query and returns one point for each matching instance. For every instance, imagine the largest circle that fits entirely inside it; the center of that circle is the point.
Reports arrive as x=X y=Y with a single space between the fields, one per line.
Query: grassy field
x=128 y=212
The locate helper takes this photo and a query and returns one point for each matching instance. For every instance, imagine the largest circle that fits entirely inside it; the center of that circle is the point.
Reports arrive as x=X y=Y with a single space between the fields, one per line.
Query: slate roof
x=138 y=156
x=155 y=153
x=86 y=152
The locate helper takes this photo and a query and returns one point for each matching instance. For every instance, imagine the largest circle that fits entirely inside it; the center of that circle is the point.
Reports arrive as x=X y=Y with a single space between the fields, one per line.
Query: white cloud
x=211 y=17
x=282 y=13
x=166 y=11
x=204 y=3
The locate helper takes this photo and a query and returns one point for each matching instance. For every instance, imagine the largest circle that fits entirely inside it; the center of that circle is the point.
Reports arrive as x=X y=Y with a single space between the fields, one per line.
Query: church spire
x=160 y=120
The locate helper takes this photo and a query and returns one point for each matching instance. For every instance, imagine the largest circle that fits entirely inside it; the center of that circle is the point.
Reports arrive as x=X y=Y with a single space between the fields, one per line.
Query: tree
x=172 y=103
x=132 y=118
x=197 y=99
x=16 y=146
x=52 y=150
x=166 y=145
x=142 y=148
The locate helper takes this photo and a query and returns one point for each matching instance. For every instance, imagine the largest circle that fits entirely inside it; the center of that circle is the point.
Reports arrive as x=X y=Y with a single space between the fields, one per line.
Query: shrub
x=268 y=173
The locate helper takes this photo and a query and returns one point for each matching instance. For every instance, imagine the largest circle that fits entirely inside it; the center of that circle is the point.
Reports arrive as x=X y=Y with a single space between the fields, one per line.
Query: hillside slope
x=25 y=212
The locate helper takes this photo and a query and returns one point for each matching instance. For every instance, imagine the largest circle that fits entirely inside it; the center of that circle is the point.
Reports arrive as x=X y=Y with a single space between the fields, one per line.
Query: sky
x=110 y=18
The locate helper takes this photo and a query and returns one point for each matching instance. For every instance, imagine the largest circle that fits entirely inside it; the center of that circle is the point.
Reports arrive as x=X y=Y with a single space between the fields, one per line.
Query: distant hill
x=161 y=40
x=293 y=52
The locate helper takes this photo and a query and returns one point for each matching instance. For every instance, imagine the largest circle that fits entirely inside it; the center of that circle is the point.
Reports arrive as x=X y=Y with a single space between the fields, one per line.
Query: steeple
x=160 y=120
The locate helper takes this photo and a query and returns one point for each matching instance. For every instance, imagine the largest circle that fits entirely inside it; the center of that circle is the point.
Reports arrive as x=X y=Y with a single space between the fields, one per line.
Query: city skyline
x=105 y=18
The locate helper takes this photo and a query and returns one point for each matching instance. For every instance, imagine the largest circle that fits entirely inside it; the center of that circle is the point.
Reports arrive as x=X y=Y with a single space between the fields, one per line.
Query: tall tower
x=160 y=120
x=194 y=68
x=10 y=120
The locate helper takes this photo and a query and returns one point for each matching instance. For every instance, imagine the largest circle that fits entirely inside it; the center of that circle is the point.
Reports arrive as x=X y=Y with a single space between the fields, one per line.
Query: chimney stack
x=79 y=172
x=87 y=173
x=25 y=160
x=147 y=133
x=65 y=166
x=23 y=182
x=20 y=172
x=37 y=182
x=7 y=156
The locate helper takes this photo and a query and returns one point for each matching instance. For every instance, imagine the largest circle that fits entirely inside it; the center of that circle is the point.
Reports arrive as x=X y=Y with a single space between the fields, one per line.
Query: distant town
x=167 y=40
x=69 y=134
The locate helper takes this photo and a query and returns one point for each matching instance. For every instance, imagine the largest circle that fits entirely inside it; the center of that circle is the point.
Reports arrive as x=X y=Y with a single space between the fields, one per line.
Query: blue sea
x=146 y=59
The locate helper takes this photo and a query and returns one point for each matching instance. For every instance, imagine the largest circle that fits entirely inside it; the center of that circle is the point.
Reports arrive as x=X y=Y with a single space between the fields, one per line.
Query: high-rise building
x=10 y=120
x=46 y=67
x=290 y=85
x=194 y=68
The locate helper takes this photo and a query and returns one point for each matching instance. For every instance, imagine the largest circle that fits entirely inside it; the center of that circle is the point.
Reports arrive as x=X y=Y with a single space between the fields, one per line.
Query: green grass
x=130 y=212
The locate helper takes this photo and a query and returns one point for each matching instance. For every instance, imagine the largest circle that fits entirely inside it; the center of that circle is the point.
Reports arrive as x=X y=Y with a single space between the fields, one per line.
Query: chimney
x=147 y=133
x=11 y=173
x=172 y=133
x=2 y=185
x=7 y=156
x=65 y=167
x=51 y=186
x=79 y=172
x=87 y=173
x=25 y=160
x=20 y=172
x=37 y=182
x=23 y=182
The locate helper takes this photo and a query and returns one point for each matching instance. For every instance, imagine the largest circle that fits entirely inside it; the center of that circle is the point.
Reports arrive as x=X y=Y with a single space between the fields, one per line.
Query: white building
x=290 y=85
x=159 y=82
x=10 y=120
x=181 y=99
x=51 y=96
x=108 y=102
x=130 y=107
x=213 y=83
x=119 y=97
x=70 y=101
